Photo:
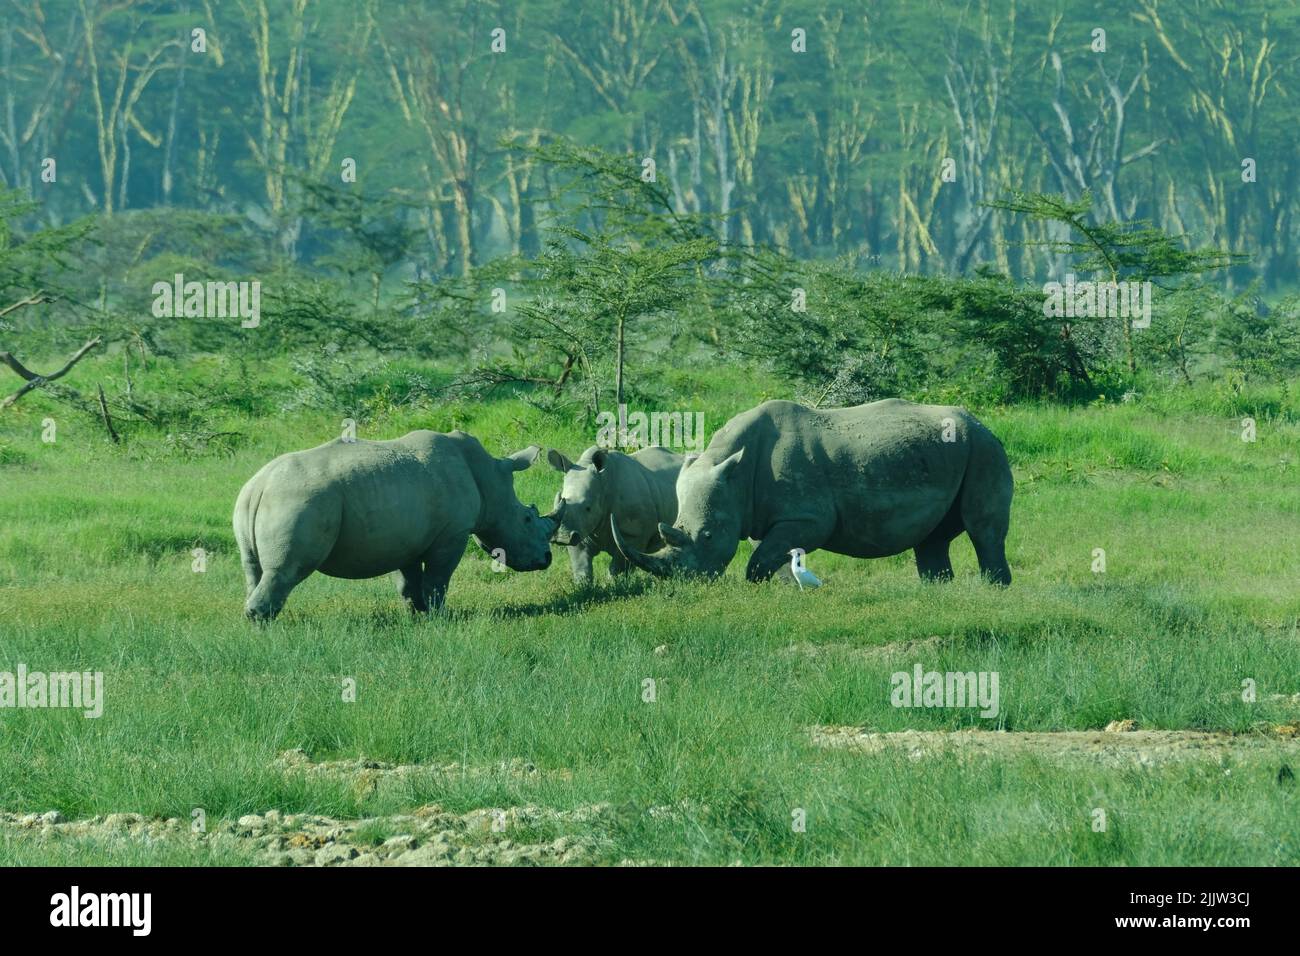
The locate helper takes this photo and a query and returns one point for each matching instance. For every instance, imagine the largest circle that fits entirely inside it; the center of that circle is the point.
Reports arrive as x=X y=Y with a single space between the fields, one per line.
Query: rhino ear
x=522 y=459
x=727 y=466
x=599 y=458
x=557 y=460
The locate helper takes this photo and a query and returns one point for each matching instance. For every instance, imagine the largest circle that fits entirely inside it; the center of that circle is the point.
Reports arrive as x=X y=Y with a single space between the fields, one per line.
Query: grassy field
x=1201 y=533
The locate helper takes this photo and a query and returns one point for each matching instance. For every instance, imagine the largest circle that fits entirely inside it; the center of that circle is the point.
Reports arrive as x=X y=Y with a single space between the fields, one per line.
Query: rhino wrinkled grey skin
x=359 y=509
x=868 y=482
x=638 y=490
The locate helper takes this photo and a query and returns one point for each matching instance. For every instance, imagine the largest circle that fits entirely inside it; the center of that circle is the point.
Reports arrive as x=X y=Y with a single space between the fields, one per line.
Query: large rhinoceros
x=868 y=482
x=637 y=490
x=359 y=509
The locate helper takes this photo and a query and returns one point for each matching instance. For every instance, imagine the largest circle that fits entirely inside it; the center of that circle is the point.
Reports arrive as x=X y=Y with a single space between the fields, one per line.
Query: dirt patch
x=1116 y=748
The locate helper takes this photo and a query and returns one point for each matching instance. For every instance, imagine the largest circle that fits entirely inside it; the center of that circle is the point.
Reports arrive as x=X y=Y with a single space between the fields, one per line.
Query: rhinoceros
x=359 y=509
x=867 y=482
x=638 y=490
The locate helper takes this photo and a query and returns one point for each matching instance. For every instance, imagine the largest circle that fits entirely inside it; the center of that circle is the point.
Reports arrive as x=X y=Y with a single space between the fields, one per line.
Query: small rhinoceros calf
x=638 y=490
x=867 y=482
x=360 y=509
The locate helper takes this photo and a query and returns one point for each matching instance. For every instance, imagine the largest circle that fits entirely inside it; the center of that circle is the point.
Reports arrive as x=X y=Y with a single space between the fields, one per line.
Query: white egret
x=802 y=576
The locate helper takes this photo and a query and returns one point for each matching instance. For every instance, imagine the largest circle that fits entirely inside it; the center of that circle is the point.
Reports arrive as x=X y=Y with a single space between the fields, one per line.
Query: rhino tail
x=245 y=534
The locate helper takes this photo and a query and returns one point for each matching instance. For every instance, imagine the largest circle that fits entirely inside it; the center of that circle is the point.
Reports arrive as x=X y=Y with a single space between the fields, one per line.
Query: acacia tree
x=618 y=262
x=1125 y=250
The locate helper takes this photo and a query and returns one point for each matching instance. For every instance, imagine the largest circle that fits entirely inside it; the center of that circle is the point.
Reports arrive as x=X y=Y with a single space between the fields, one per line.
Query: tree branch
x=35 y=380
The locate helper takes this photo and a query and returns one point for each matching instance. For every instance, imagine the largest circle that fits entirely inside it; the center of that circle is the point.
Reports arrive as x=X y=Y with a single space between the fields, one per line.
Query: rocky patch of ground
x=1121 y=746
x=430 y=836
x=370 y=775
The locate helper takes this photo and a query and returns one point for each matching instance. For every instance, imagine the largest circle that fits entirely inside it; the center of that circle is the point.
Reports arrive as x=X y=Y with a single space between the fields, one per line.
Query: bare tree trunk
x=618 y=370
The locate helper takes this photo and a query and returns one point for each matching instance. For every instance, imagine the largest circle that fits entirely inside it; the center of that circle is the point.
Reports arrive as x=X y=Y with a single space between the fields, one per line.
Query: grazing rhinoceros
x=363 y=508
x=868 y=482
x=637 y=489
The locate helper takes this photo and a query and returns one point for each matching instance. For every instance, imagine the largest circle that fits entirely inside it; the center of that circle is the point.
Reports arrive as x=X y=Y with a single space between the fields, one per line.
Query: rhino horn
x=656 y=564
x=556 y=516
x=678 y=539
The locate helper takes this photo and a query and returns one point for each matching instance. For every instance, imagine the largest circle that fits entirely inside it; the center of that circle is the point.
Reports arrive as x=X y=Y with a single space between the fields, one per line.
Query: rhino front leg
x=932 y=561
x=774 y=550
x=618 y=564
x=439 y=563
x=410 y=585
x=580 y=563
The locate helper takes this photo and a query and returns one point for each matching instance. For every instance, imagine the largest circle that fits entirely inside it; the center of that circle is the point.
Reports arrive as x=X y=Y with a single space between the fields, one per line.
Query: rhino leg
x=774 y=550
x=252 y=572
x=580 y=563
x=932 y=562
x=410 y=585
x=293 y=537
x=439 y=563
x=991 y=552
x=243 y=527
x=620 y=565
x=985 y=501
x=267 y=599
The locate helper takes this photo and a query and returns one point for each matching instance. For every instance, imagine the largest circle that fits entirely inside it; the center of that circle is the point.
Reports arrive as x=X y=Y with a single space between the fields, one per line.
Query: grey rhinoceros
x=868 y=482
x=638 y=490
x=359 y=509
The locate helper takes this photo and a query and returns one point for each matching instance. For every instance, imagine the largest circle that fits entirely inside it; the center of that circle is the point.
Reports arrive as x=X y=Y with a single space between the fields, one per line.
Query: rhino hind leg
x=986 y=509
x=252 y=570
x=268 y=597
x=291 y=537
x=991 y=552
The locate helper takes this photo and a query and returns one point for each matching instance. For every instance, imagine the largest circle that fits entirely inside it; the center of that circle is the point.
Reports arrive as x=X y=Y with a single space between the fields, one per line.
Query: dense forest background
x=544 y=188
x=832 y=150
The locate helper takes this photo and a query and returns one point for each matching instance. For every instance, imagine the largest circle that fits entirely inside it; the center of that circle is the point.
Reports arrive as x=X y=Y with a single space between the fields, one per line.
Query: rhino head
x=710 y=507
x=508 y=528
x=584 y=496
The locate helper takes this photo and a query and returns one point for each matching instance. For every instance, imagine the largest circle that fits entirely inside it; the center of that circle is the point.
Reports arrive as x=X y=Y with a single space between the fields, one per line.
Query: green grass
x=1202 y=539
